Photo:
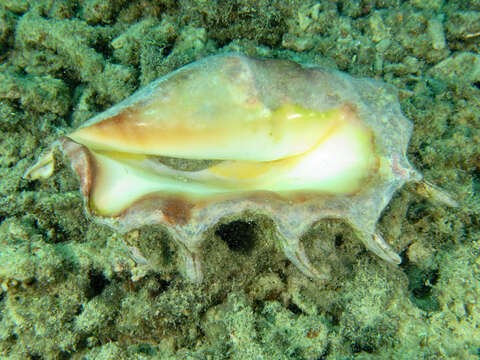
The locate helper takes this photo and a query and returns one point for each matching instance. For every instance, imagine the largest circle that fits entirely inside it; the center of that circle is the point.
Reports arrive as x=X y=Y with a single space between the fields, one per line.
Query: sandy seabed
x=70 y=290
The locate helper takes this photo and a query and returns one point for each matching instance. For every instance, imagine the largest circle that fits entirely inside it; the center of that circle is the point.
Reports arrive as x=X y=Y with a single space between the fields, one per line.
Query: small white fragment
x=137 y=256
x=427 y=189
x=42 y=169
x=193 y=265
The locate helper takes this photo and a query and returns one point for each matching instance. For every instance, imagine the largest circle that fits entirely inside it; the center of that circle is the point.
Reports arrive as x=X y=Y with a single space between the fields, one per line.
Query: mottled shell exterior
x=270 y=83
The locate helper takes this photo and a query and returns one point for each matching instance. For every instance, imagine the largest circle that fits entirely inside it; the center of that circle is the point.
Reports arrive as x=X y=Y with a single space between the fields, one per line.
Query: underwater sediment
x=70 y=288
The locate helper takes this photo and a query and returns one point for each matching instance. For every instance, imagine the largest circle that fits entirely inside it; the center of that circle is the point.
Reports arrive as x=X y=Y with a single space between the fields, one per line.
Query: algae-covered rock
x=7 y=25
x=18 y=7
x=277 y=333
x=37 y=93
x=463 y=25
x=459 y=68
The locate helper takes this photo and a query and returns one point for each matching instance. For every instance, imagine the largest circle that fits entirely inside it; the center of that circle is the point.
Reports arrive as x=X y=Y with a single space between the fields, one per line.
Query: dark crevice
x=338 y=240
x=103 y=47
x=97 y=282
x=69 y=77
x=295 y=309
x=357 y=348
x=238 y=235
x=162 y=286
x=476 y=181
x=416 y=211
x=79 y=309
x=168 y=48
x=28 y=185
x=420 y=285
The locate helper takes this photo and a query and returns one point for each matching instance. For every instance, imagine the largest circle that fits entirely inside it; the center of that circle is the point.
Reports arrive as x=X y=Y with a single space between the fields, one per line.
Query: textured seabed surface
x=69 y=290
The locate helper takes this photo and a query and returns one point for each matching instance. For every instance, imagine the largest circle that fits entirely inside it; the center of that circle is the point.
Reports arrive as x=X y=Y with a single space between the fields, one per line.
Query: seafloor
x=69 y=289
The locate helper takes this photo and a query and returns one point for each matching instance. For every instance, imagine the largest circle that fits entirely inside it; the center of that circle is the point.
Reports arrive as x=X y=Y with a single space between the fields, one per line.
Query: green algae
x=70 y=290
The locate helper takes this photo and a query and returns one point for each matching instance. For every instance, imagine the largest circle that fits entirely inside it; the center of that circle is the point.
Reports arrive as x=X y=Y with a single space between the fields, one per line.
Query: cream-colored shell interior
x=338 y=162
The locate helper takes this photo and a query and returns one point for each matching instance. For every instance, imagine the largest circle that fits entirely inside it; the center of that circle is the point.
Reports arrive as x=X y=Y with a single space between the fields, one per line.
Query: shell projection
x=229 y=134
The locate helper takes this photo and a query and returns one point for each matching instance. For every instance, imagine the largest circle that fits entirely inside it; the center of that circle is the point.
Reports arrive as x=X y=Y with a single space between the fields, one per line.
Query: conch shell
x=295 y=142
